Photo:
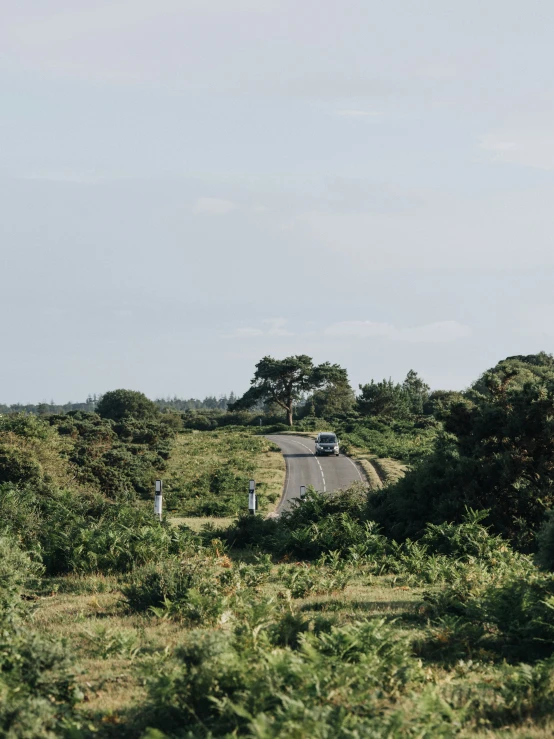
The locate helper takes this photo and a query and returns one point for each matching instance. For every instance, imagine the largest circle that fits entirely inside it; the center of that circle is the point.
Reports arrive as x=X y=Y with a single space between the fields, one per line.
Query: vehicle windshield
x=327 y=439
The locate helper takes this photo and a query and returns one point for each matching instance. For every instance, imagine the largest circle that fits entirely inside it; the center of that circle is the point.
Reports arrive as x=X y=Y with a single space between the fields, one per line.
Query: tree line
x=210 y=402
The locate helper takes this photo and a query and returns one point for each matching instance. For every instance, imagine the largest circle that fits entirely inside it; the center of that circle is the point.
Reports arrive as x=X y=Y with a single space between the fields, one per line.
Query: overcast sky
x=188 y=185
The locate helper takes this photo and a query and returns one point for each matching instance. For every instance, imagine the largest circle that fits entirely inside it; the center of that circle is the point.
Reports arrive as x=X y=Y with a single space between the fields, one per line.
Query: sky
x=187 y=186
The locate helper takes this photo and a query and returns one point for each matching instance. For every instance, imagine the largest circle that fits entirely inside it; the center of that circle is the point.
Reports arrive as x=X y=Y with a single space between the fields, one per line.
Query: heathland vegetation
x=423 y=609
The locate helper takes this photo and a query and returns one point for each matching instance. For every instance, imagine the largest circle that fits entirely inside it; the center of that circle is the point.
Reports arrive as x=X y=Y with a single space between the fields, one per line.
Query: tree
x=336 y=398
x=417 y=390
x=119 y=404
x=284 y=381
x=497 y=454
x=385 y=398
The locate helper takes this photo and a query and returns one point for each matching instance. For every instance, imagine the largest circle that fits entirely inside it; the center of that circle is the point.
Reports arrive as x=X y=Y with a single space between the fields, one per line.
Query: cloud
x=524 y=148
x=357 y=113
x=78 y=178
x=276 y=327
x=272 y=327
x=245 y=332
x=434 y=333
x=213 y=206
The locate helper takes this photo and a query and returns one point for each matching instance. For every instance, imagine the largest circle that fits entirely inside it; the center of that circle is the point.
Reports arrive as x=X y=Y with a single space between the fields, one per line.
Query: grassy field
x=315 y=624
x=208 y=472
x=122 y=657
x=113 y=648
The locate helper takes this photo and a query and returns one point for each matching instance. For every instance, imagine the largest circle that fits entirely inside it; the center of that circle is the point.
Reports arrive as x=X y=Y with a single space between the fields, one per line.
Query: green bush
x=18 y=467
x=545 y=543
x=17 y=570
x=514 y=620
x=187 y=590
x=37 y=690
x=497 y=454
x=121 y=404
x=331 y=685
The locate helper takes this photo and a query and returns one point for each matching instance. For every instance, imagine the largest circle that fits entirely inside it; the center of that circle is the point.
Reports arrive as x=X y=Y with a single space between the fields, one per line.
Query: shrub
x=497 y=454
x=17 y=571
x=332 y=684
x=514 y=620
x=120 y=404
x=18 y=467
x=545 y=542
x=186 y=590
x=37 y=690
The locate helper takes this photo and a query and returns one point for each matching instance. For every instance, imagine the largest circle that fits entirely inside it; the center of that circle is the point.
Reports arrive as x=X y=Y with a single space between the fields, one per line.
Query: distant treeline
x=179 y=404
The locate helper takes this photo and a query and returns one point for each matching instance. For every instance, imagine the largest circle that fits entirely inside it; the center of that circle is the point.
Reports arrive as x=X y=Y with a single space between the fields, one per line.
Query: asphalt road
x=304 y=468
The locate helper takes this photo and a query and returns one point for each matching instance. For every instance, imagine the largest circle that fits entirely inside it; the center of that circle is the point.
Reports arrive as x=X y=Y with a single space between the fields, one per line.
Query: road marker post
x=252 y=500
x=302 y=492
x=158 y=499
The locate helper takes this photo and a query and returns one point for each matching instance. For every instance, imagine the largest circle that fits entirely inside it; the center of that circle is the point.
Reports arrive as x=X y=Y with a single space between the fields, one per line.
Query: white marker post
x=302 y=492
x=158 y=499
x=252 y=502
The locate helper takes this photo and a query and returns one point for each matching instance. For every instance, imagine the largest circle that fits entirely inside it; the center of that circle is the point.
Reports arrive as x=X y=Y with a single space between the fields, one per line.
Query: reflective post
x=158 y=500
x=252 y=502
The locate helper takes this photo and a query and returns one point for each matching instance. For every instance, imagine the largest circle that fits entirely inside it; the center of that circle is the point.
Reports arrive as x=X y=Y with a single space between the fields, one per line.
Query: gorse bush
x=18 y=467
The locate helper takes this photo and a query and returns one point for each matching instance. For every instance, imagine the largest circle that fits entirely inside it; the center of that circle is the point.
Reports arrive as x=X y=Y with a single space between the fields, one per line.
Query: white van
x=326 y=443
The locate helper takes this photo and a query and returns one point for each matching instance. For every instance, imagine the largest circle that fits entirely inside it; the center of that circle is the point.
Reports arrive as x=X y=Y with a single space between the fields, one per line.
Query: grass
x=208 y=472
x=114 y=650
x=113 y=685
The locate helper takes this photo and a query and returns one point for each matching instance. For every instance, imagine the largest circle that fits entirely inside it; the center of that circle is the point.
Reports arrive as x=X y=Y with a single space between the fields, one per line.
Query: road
x=304 y=468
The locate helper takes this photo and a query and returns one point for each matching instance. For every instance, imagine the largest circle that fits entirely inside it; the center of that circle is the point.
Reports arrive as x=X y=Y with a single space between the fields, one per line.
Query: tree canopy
x=393 y=400
x=119 y=404
x=285 y=381
x=497 y=453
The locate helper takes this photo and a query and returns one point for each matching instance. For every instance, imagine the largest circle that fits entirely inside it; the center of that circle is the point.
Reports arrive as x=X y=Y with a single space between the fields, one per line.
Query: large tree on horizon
x=285 y=381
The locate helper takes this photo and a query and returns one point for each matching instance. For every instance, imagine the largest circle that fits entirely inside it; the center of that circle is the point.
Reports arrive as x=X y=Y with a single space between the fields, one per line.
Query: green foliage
x=406 y=440
x=72 y=533
x=18 y=467
x=284 y=381
x=120 y=458
x=187 y=590
x=317 y=579
x=336 y=399
x=37 y=690
x=121 y=404
x=27 y=426
x=104 y=642
x=513 y=620
x=391 y=400
x=329 y=685
x=498 y=454
x=545 y=542
x=209 y=475
x=385 y=398
x=17 y=571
